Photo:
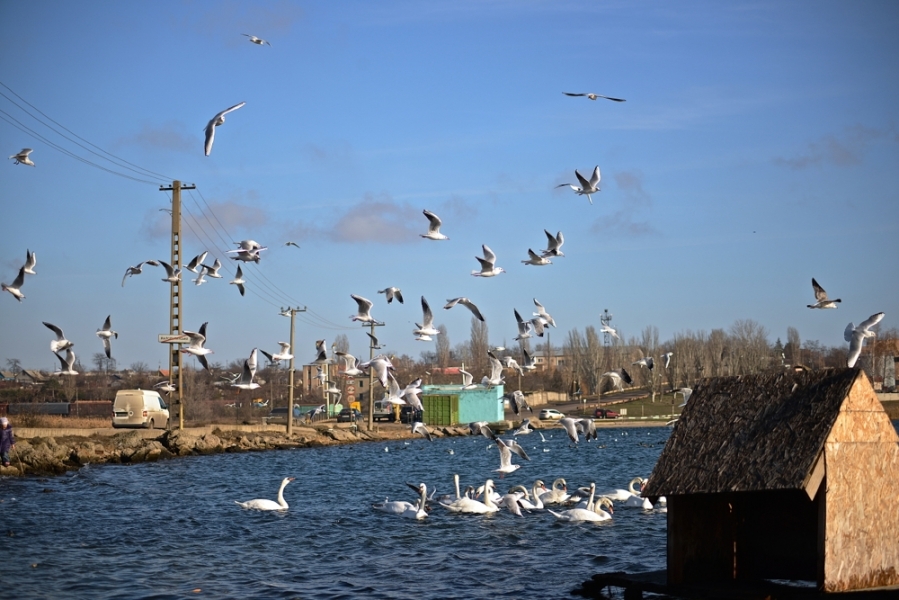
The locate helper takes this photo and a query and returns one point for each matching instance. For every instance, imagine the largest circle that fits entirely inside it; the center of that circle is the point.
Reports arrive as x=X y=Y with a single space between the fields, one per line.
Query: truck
x=383 y=410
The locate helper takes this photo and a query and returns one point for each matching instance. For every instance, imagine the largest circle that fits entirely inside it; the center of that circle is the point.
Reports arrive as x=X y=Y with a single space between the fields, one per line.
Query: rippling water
x=162 y=530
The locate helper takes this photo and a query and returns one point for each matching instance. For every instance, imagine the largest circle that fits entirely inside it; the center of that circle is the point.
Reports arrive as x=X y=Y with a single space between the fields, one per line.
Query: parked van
x=139 y=408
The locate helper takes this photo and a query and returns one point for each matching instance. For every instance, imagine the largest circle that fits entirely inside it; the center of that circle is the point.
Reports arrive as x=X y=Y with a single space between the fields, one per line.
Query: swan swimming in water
x=469 y=505
x=406 y=509
x=630 y=496
x=263 y=504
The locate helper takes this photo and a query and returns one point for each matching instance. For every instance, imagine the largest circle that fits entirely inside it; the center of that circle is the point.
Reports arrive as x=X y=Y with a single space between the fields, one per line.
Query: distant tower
x=605 y=319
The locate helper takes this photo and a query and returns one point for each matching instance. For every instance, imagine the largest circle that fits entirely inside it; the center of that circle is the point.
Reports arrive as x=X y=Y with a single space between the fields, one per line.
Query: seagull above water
x=487 y=264
x=467 y=304
x=536 y=260
x=419 y=427
x=238 y=281
x=822 y=301
x=60 y=343
x=245 y=382
x=22 y=157
x=391 y=293
x=257 y=41
x=105 y=334
x=30 y=262
x=215 y=122
x=856 y=336
x=593 y=96
x=553 y=244
x=433 y=227
x=15 y=288
x=587 y=187
x=496 y=372
x=137 y=269
x=427 y=328
x=619 y=377
x=364 y=313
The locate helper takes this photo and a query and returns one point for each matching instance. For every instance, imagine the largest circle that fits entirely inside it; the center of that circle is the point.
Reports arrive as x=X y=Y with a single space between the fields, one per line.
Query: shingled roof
x=751 y=433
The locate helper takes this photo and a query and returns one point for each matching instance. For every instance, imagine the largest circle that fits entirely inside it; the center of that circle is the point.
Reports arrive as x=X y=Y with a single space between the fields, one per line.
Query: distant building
x=545 y=360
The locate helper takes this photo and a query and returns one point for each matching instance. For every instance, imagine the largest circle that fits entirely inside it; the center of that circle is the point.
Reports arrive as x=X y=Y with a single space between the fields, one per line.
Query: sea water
x=172 y=529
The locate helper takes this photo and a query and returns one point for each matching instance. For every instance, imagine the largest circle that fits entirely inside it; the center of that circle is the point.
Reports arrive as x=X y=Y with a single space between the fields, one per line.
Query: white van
x=139 y=408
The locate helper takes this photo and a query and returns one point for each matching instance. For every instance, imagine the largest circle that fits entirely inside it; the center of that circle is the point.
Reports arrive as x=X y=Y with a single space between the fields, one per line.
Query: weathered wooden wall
x=861 y=548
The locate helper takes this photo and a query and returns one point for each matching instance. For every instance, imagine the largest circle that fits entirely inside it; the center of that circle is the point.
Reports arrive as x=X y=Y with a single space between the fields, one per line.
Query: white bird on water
x=856 y=336
x=822 y=301
x=137 y=269
x=434 y=224
x=593 y=96
x=488 y=264
x=60 y=343
x=587 y=187
x=105 y=334
x=238 y=281
x=263 y=504
x=21 y=158
x=15 y=288
x=256 y=40
x=215 y=122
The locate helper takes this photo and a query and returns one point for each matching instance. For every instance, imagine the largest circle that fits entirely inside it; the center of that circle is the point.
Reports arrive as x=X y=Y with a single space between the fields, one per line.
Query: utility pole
x=371 y=376
x=176 y=308
x=605 y=318
x=292 y=313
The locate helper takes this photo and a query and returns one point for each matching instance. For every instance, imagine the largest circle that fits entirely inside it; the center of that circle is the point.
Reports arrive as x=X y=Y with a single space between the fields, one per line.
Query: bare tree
x=792 y=350
x=14 y=365
x=443 y=348
x=342 y=343
x=479 y=345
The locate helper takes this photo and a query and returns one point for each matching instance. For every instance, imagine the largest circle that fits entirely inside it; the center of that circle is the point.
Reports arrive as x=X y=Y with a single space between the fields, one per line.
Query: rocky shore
x=57 y=454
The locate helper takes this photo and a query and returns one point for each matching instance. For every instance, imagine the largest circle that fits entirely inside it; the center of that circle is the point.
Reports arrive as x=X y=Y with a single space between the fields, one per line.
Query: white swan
x=558 y=494
x=579 y=514
x=263 y=504
x=406 y=509
x=469 y=505
x=627 y=496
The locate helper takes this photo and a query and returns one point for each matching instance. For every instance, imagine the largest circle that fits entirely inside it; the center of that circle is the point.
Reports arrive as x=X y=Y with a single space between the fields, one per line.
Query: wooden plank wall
x=700 y=539
x=861 y=548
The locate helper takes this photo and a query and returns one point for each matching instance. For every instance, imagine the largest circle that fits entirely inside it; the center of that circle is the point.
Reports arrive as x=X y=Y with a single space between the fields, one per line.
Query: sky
x=757 y=148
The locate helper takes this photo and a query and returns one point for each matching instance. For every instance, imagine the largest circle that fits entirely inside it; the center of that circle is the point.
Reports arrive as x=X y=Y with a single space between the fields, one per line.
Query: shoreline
x=46 y=451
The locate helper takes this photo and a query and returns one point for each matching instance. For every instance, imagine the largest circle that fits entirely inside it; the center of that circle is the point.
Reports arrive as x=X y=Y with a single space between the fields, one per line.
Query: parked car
x=348 y=415
x=409 y=415
x=139 y=408
x=550 y=414
x=605 y=413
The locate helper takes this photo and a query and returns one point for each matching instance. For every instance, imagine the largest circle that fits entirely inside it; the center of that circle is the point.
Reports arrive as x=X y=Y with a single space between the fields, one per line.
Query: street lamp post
x=371 y=375
x=292 y=313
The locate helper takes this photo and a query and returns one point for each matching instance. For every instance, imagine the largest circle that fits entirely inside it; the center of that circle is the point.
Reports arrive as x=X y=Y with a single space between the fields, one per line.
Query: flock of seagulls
x=856 y=336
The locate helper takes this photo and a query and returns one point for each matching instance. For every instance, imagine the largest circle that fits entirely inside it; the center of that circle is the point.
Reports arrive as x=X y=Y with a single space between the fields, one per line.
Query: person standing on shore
x=7 y=440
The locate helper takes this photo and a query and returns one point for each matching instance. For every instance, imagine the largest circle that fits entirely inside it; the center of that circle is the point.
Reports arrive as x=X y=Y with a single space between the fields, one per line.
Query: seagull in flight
x=467 y=304
x=619 y=377
x=197 y=261
x=524 y=327
x=105 y=334
x=137 y=269
x=553 y=244
x=364 y=313
x=426 y=329
x=196 y=346
x=247 y=251
x=60 y=343
x=30 y=262
x=822 y=301
x=238 y=281
x=15 y=288
x=667 y=358
x=172 y=275
x=645 y=362
x=257 y=41
x=22 y=158
x=433 y=227
x=487 y=264
x=536 y=260
x=245 y=381
x=66 y=363
x=587 y=187
x=215 y=122
x=294 y=244
x=374 y=342
x=541 y=312
x=612 y=332
x=391 y=293
x=593 y=96
x=856 y=336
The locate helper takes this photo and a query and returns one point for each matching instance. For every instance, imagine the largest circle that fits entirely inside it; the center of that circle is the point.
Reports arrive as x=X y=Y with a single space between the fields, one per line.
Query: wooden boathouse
x=786 y=476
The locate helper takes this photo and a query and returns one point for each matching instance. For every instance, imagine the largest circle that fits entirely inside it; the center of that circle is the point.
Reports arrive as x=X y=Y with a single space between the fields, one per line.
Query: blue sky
x=758 y=148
